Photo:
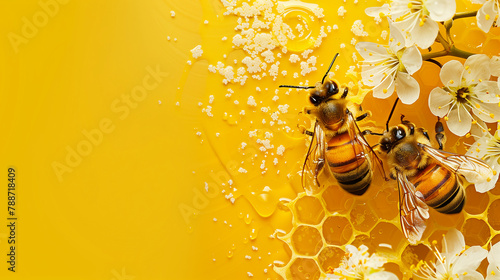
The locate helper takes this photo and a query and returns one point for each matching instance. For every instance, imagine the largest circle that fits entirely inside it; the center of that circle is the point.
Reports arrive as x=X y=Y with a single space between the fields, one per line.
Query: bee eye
x=385 y=145
x=399 y=134
x=332 y=88
x=315 y=100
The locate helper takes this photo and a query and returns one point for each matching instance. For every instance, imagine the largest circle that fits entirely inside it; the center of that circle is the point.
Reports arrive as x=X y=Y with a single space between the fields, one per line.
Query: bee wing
x=356 y=133
x=315 y=160
x=474 y=170
x=412 y=210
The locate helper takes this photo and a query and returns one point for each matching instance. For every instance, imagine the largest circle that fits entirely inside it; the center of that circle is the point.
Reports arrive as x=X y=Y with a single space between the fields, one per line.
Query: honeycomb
x=325 y=222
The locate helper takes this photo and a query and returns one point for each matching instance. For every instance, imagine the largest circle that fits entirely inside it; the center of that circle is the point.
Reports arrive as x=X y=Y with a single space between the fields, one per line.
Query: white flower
x=359 y=265
x=487 y=148
x=495 y=67
x=494 y=260
x=487 y=14
x=467 y=91
x=417 y=18
x=387 y=67
x=454 y=262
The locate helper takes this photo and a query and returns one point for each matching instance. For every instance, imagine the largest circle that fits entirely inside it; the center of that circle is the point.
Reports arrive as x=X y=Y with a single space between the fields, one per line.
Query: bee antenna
x=330 y=67
x=302 y=87
x=390 y=115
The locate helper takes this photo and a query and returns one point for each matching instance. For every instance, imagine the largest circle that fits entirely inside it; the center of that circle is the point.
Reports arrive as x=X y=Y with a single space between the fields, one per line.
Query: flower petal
x=495 y=66
x=476 y=69
x=493 y=273
x=441 y=10
x=469 y=260
x=488 y=112
x=453 y=243
x=411 y=59
x=471 y=275
x=487 y=91
x=486 y=15
x=487 y=186
x=397 y=40
x=382 y=275
x=439 y=102
x=459 y=122
x=371 y=51
x=376 y=11
x=451 y=73
x=424 y=35
x=407 y=88
x=494 y=255
x=386 y=88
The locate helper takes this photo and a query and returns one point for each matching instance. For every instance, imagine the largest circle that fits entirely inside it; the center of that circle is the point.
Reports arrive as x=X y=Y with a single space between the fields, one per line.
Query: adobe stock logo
x=31 y=26
x=122 y=108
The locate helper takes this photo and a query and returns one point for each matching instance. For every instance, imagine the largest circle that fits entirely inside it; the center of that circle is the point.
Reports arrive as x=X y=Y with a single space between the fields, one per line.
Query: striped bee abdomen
x=349 y=163
x=440 y=189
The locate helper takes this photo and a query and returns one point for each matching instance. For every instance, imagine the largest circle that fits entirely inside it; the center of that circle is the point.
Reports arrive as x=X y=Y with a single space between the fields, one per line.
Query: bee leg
x=363 y=116
x=304 y=130
x=440 y=137
x=369 y=132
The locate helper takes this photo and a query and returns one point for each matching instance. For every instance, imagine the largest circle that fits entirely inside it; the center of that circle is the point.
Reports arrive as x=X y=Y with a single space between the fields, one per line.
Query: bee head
x=322 y=92
x=391 y=137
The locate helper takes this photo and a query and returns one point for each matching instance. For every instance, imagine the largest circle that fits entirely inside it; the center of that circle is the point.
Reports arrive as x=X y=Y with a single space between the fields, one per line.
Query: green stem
x=460 y=53
x=453 y=52
x=443 y=41
x=434 y=54
x=465 y=14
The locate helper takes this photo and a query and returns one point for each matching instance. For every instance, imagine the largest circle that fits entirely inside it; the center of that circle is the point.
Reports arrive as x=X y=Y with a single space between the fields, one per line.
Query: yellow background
x=117 y=215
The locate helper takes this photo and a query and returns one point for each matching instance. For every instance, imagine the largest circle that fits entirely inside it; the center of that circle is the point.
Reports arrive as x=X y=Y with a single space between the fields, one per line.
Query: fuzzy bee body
x=427 y=177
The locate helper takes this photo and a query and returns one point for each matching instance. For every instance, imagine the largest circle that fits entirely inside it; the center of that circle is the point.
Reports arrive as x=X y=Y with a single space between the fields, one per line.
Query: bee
x=427 y=177
x=336 y=139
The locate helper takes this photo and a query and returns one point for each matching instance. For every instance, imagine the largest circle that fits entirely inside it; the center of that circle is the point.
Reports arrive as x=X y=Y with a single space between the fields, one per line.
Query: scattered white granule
x=265 y=270
x=275 y=161
x=189 y=62
x=306 y=53
x=224 y=38
x=242 y=170
x=211 y=99
x=357 y=28
x=266 y=189
x=212 y=68
x=294 y=58
x=258 y=89
x=281 y=150
x=253 y=65
x=198 y=133
x=384 y=34
x=215 y=219
x=295 y=75
x=248 y=257
x=251 y=101
x=242 y=112
x=255 y=248
x=172 y=13
x=168 y=38
x=243 y=145
x=252 y=133
x=341 y=11
x=284 y=72
x=263 y=165
x=354 y=41
x=200 y=104
x=236 y=102
x=268 y=56
x=249 y=274
x=318 y=12
x=283 y=108
x=268 y=134
x=217 y=134
x=275 y=98
x=342 y=45
x=205 y=22
x=335 y=27
x=177 y=103
x=197 y=51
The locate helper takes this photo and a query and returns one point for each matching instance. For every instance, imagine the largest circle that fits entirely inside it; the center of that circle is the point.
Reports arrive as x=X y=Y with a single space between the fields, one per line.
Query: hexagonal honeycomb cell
x=304 y=269
x=307 y=240
x=337 y=230
x=330 y=257
x=309 y=210
x=337 y=200
x=476 y=232
x=362 y=216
